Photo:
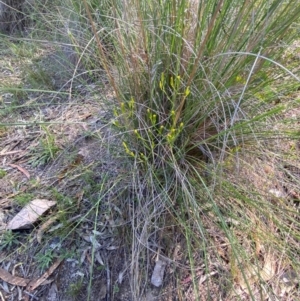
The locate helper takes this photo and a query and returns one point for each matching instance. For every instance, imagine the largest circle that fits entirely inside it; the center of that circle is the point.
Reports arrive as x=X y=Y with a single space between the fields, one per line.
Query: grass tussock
x=205 y=107
x=196 y=86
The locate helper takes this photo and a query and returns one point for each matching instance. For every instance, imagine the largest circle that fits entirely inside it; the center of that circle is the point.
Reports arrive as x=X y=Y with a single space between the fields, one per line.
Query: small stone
x=277 y=193
x=158 y=273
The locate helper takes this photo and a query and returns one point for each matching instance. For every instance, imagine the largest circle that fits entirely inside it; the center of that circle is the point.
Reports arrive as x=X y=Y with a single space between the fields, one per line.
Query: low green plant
x=65 y=253
x=47 y=149
x=38 y=78
x=3 y=173
x=75 y=288
x=8 y=240
x=13 y=94
x=116 y=288
x=22 y=49
x=44 y=259
x=23 y=199
x=62 y=199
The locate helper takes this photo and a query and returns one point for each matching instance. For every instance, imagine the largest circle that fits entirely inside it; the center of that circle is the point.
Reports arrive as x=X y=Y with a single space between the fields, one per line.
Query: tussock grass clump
x=203 y=102
x=197 y=85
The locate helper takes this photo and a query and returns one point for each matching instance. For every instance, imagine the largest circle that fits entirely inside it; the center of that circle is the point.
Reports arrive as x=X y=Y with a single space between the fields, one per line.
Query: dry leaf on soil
x=35 y=283
x=253 y=274
x=248 y=278
x=269 y=269
x=30 y=214
x=23 y=170
x=14 y=280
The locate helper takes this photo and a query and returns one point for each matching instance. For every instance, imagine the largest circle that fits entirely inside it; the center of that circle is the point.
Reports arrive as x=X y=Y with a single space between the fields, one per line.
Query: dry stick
x=144 y=41
x=192 y=75
x=100 y=47
x=119 y=29
x=131 y=58
x=35 y=283
x=30 y=295
x=108 y=282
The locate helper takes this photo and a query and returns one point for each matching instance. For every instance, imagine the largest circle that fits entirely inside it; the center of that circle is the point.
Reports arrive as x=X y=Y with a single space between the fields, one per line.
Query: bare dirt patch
x=66 y=151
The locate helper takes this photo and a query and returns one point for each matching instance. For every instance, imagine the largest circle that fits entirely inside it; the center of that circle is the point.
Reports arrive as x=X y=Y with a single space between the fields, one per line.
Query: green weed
x=22 y=49
x=8 y=240
x=23 y=199
x=12 y=95
x=46 y=151
x=44 y=259
x=75 y=288
x=3 y=173
x=116 y=288
x=38 y=78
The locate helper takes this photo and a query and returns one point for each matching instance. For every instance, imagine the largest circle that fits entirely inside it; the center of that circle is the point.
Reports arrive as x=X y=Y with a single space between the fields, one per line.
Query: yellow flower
x=172 y=82
x=187 y=92
x=162 y=81
x=240 y=79
x=131 y=103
